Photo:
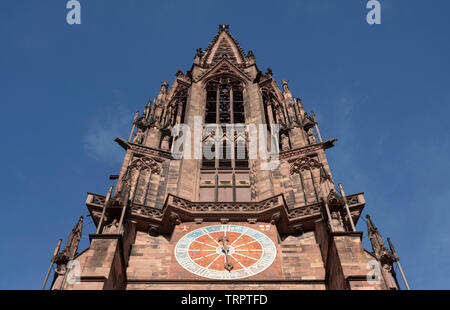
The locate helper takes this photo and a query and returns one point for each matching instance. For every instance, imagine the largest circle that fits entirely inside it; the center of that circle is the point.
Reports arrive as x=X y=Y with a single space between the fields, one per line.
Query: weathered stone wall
x=301 y=258
x=298 y=264
x=150 y=258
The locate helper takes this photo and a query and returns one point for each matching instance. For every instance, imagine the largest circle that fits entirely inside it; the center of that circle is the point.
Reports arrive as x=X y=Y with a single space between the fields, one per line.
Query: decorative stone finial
x=285 y=85
x=223 y=27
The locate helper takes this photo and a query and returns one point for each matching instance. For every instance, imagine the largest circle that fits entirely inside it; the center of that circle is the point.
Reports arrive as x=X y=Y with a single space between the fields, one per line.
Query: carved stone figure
x=172 y=115
x=311 y=136
x=165 y=143
x=336 y=222
x=139 y=138
x=284 y=142
x=285 y=86
x=174 y=218
x=277 y=116
x=275 y=218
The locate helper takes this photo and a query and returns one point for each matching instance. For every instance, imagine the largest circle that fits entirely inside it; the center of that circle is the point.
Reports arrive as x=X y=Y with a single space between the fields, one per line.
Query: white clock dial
x=225 y=252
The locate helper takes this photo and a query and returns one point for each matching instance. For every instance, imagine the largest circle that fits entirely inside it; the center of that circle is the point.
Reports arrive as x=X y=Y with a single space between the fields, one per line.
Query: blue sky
x=67 y=91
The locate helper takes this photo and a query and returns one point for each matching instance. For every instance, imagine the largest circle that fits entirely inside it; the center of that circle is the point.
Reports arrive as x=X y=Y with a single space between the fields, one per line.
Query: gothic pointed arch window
x=140 y=179
x=306 y=175
x=224 y=101
x=226 y=177
x=225 y=105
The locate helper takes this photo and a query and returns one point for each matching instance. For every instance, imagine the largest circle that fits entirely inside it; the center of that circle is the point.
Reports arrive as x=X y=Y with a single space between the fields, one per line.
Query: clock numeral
x=225 y=228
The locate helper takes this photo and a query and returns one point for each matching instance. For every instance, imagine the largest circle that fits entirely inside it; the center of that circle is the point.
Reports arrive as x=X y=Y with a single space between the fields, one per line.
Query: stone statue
x=277 y=116
x=165 y=143
x=284 y=142
x=285 y=86
x=172 y=116
x=311 y=136
x=139 y=137
x=336 y=223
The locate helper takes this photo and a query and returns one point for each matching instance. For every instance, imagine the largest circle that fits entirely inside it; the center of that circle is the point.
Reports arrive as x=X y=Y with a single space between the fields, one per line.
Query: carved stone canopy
x=144 y=163
x=304 y=163
x=308 y=123
x=334 y=199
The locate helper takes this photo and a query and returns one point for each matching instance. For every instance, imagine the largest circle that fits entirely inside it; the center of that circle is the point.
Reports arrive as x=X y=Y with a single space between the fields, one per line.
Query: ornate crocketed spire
x=334 y=199
x=72 y=244
x=375 y=238
x=285 y=85
x=223 y=46
x=384 y=256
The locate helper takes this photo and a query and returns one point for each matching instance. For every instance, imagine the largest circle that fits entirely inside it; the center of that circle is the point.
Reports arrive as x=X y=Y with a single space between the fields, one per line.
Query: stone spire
x=383 y=255
x=375 y=238
x=286 y=92
x=61 y=259
x=73 y=240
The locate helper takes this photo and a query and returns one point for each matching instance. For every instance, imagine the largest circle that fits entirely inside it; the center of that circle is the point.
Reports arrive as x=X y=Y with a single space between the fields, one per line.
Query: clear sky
x=66 y=91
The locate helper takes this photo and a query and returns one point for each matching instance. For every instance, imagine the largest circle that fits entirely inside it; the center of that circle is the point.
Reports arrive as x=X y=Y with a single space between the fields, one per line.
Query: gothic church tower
x=224 y=222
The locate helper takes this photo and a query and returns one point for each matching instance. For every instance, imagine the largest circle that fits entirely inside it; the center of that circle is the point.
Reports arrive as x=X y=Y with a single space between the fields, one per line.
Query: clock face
x=225 y=252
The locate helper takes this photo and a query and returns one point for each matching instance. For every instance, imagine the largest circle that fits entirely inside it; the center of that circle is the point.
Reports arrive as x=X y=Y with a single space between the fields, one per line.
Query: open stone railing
x=353 y=201
x=308 y=210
